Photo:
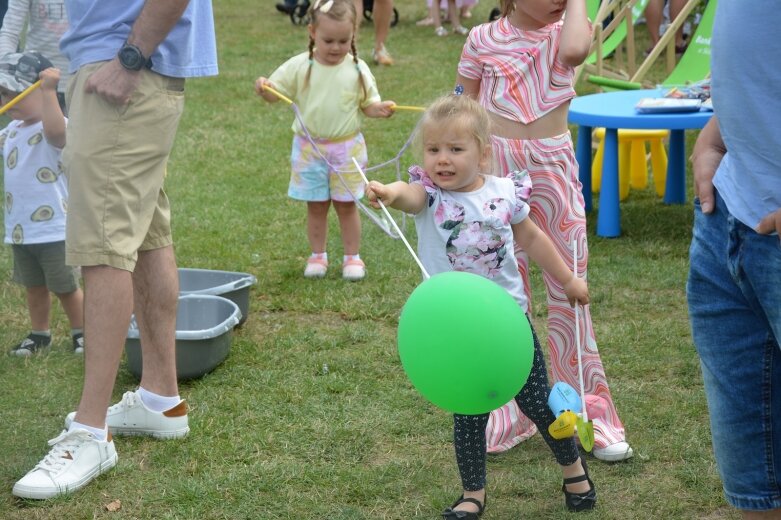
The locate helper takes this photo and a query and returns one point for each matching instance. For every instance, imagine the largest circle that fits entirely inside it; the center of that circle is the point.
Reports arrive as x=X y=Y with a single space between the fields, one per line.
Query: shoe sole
x=43 y=494
x=157 y=434
x=130 y=431
x=616 y=457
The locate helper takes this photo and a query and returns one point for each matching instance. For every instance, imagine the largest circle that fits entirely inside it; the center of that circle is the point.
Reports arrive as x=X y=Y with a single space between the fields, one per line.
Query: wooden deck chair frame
x=677 y=74
x=616 y=38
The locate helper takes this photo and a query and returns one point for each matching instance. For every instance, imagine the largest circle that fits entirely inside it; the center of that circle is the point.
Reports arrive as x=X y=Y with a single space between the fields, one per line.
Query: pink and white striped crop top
x=521 y=78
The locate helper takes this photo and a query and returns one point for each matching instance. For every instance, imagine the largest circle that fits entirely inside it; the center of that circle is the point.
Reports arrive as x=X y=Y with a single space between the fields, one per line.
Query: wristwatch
x=131 y=58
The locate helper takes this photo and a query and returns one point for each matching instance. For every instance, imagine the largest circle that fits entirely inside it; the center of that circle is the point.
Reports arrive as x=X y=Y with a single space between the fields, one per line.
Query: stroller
x=300 y=13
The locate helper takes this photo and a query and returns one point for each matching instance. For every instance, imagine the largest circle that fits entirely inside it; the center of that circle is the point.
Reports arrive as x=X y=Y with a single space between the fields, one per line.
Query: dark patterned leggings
x=469 y=430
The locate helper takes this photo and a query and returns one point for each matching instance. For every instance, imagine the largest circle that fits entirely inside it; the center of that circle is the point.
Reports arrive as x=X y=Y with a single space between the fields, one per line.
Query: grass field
x=273 y=436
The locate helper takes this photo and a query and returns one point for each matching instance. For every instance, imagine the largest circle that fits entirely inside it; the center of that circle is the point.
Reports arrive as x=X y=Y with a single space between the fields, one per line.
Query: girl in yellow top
x=330 y=85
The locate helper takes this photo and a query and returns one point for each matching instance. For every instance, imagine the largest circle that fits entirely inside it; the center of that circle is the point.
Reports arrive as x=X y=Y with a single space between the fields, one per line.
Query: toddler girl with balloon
x=468 y=220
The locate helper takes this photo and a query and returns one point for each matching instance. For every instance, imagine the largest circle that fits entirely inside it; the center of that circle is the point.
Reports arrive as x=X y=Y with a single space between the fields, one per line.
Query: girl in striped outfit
x=521 y=69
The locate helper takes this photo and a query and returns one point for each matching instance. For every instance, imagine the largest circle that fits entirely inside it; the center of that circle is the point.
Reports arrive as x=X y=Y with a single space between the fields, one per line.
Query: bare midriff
x=551 y=124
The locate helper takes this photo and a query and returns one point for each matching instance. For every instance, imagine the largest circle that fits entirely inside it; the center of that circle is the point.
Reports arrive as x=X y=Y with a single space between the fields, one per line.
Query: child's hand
x=49 y=78
x=577 y=291
x=376 y=191
x=260 y=89
x=381 y=109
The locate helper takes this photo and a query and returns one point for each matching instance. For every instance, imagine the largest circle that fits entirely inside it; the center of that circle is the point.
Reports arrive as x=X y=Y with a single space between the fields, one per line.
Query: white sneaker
x=75 y=459
x=615 y=452
x=131 y=417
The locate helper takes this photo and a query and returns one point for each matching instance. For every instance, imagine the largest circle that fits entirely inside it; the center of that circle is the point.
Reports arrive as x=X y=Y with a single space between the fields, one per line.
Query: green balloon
x=465 y=343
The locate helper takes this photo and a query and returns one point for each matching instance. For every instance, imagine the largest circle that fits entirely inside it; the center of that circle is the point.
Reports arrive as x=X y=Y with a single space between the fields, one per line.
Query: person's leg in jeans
x=734 y=297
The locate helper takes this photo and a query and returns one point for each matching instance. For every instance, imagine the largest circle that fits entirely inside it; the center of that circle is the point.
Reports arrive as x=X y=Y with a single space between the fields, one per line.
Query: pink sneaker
x=354 y=270
x=315 y=267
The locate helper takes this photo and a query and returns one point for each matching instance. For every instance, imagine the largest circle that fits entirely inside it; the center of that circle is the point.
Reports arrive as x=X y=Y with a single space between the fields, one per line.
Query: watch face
x=130 y=57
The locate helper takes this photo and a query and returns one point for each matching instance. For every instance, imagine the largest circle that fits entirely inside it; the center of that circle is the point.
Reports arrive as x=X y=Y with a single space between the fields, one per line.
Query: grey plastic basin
x=204 y=328
x=231 y=285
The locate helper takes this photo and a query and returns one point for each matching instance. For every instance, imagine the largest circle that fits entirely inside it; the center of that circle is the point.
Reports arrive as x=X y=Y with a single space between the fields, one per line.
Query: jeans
x=734 y=296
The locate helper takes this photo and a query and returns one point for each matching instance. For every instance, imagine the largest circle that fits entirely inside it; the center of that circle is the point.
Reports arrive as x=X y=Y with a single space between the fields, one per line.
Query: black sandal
x=580 y=501
x=450 y=514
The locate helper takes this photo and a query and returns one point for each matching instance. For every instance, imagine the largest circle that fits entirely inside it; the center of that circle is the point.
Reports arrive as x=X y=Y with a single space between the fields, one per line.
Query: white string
x=401 y=235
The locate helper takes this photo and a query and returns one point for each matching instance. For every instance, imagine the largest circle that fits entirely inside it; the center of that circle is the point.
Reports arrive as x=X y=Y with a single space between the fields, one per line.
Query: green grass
x=273 y=437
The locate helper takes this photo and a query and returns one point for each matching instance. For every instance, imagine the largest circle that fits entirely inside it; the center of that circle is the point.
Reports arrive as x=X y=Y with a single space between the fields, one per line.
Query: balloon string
x=387 y=214
x=577 y=332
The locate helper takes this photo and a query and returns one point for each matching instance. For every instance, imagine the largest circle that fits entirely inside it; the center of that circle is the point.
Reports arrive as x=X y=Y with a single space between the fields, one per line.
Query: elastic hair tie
x=323 y=7
x=458 y=90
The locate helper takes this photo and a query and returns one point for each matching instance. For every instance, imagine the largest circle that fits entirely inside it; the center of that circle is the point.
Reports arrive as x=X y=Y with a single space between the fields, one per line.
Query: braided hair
x=340 y=11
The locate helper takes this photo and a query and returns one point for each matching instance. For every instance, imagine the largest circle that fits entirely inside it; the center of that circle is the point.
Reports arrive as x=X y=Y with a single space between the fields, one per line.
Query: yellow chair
x=632 y=160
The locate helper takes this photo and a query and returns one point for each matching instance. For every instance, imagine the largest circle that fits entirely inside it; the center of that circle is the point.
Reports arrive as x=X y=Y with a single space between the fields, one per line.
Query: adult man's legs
x=155 y=291
x=734 y=300
x=108 y=303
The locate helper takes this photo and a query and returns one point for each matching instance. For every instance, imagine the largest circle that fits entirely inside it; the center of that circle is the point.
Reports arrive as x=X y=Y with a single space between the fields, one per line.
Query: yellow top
x=331 y=102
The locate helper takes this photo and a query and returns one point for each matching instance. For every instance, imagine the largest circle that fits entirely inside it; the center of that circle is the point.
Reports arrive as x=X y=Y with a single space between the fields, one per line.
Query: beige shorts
x=115 y=160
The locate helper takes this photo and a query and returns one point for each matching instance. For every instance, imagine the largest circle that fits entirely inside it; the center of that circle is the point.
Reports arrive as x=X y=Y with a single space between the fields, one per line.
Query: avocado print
x=42 y=214
x=37 y=138
x=17 y=235
x=10 y=162
x=9 y=202
x=46 y=175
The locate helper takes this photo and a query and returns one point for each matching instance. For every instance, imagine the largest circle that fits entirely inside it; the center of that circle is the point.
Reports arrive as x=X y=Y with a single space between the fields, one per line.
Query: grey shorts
x=44 y=264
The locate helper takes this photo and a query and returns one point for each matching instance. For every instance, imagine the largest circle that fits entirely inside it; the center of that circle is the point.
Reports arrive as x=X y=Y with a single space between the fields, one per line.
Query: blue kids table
x=614 y=110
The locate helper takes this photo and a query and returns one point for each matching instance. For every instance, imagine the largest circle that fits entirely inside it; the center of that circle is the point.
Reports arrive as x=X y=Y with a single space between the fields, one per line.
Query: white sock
x=350 y=257
x=157 y=403
x=100 y=434
x=323 y=255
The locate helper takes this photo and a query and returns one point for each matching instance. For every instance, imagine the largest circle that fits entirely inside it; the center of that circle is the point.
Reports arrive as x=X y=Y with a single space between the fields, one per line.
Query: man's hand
x=771 y=222
x=708 y=152
x=114 y=83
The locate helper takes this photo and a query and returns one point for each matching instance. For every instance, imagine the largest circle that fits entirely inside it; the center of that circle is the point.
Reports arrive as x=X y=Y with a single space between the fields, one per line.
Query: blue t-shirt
x=746 y=69
x=98 y=28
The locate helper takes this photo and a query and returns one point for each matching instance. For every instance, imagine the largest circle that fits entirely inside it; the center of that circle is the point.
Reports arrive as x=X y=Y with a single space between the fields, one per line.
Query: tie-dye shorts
x=330 y=177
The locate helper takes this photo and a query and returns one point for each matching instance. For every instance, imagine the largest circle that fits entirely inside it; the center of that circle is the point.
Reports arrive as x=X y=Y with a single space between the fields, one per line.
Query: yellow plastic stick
x=20 y=97
x=407 y=107
x=279 y=95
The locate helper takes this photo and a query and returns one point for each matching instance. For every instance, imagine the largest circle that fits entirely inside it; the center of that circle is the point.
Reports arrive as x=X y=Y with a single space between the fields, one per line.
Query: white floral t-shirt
x=471 y=231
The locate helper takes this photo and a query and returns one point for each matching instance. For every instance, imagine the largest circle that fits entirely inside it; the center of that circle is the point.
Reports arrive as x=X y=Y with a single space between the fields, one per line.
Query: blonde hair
x=507 y=7
x=339 y=11
x=460 y=111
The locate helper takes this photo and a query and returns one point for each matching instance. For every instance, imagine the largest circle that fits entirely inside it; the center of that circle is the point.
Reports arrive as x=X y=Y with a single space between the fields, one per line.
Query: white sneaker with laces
x=131 y=417
x=75 y=459
x=615 y=452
